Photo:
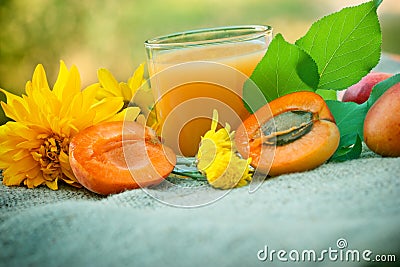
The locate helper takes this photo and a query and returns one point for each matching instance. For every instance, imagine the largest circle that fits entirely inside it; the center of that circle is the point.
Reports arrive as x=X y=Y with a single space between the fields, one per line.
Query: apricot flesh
x=317 y=144
x=360 y=92
x=382 y=124
x=113 y=157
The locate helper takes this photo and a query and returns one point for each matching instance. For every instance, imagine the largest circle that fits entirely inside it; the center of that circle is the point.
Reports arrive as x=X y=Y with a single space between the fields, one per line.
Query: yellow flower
x=34 y=146
x=218 y=160
x=135 y=92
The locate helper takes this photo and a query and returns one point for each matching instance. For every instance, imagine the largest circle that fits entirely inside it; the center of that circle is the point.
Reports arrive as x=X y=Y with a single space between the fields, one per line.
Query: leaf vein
x=344 y=77
x=344 y=40
x=353 y=61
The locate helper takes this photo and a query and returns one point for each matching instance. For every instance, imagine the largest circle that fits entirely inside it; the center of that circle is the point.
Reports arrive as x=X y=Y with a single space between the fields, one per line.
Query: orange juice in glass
x=194 y=72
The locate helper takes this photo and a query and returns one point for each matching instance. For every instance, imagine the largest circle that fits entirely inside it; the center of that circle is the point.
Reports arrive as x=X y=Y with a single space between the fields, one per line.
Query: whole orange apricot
x=382 y=124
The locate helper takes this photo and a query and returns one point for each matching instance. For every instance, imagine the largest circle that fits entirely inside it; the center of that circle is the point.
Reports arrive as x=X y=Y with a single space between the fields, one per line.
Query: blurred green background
x=103 y=33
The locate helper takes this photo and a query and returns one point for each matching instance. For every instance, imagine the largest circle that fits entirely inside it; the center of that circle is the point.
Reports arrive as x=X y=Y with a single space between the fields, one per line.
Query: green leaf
x=327 y=94
x=350 y=147
x=349 y=116
x=345 y=45
x=285 y=68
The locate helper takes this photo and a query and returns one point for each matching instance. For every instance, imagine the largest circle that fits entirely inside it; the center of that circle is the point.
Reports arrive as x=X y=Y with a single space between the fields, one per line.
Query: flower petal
x=126 y=91
x=52 y=184
x=35 y=181
x=107 y=108
x=15 y=108
x=13 y=180
x=108 y=82
x=127 y=114
x=72 y=85
x=61 y=80
x=136 y=81
x=39 y=79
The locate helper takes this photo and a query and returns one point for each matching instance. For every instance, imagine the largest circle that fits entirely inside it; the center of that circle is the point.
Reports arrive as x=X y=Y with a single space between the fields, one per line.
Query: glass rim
x=242 y=33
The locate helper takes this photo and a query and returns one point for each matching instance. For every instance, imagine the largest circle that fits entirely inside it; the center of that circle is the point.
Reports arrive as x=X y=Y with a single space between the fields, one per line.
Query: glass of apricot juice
x=194 y=72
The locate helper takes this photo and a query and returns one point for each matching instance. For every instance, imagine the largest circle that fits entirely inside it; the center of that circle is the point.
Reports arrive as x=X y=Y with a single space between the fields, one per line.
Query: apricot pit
x=293 y=133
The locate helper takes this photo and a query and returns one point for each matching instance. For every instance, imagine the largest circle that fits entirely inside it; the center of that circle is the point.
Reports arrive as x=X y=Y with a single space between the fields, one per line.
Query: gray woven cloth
x=356 y=201
x=352 y=206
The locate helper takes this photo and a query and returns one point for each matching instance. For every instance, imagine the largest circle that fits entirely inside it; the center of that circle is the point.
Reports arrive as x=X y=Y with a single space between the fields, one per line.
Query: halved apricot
x=293 y=133
x=112 y=157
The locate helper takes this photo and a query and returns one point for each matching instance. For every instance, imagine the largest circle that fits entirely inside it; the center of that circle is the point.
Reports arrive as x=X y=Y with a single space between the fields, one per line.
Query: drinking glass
x=194 y=72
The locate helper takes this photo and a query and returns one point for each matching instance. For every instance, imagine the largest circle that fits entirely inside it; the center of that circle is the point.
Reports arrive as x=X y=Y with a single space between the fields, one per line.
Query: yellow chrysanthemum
x=34 y=146
x=218 y=160
x=135 y=92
